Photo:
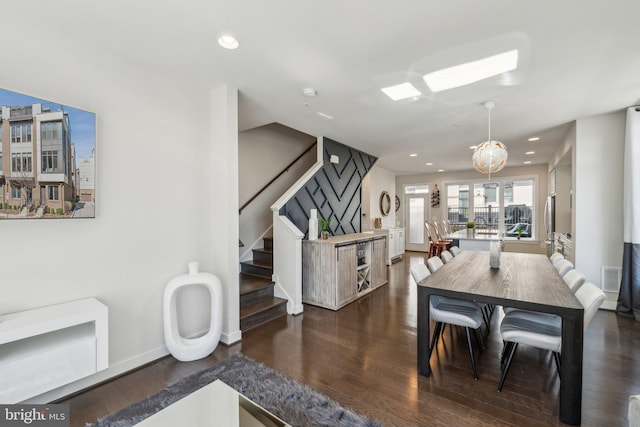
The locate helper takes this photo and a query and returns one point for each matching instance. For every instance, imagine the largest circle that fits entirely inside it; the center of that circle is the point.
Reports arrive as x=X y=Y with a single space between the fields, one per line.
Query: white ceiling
x=577 y=58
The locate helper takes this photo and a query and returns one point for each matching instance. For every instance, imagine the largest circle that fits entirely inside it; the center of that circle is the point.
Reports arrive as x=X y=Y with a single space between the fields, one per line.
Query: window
x=518 y=210
x=458 y=203
x=21 y=132
x=499 y=206
x=53 y=192
x=50 y=130
x=416 y=189
x=49 y=161
x=16 y=193
x=21 y=162
x=485 y=204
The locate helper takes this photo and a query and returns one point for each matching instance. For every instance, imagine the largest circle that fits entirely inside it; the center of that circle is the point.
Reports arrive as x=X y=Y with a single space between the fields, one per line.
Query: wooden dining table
x=526 y=281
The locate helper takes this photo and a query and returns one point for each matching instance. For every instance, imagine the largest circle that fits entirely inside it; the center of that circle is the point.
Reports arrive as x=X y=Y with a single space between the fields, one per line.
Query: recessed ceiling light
x=401 y=91
x=325 y=115
x=530 y=152
x=440 y=170
x=429 y=164
x=413 y=155
x=309 y=92
x=471 y=72
x=528 y=162
x=535 y=138
x=227 y=41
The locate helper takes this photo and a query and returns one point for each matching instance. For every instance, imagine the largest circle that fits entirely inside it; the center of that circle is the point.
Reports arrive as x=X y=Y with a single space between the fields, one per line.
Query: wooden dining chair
x=440 y=237
x=435 y=246
x=454 y=312
x=447 y=223
x=543 y=330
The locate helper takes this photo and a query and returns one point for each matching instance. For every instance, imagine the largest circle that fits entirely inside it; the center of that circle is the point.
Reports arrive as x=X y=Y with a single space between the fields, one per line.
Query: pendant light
x=490 y=156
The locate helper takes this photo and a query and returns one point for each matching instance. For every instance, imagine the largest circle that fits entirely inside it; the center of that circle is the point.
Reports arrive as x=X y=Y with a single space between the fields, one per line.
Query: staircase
x=257 y=303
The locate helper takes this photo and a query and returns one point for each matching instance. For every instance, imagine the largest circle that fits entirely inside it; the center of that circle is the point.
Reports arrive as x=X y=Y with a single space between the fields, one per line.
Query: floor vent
x=611 y=277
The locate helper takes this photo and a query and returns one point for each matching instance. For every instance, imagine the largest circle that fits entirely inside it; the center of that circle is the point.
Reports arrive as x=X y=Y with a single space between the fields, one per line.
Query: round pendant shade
x=490 y=157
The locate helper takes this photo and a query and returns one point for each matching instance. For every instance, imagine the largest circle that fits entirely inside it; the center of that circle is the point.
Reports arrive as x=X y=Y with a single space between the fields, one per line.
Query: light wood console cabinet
x=341 y=269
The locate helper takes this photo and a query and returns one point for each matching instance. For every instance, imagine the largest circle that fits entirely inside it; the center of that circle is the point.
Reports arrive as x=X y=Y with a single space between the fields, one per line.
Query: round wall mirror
x=385 y=203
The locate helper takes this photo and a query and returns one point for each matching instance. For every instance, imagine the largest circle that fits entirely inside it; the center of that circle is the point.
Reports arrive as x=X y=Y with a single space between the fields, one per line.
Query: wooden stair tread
x=261 y=306
x=263 y=264
x=249 y=283
x=263 y=250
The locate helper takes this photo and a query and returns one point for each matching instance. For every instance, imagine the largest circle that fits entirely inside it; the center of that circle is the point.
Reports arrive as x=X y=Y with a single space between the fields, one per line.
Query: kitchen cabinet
x=342 y=269
x=395 y=246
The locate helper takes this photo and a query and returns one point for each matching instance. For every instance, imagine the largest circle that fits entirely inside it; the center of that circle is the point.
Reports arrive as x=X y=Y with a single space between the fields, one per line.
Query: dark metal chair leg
x=486 y=318
x=506 y=348
x=480 y=341
x=505 y=371
x=434 y=338
x=473 y=359
x=556 y=357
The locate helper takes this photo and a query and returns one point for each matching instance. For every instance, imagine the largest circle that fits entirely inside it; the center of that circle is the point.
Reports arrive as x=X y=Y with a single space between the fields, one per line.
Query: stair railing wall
x=287 y=262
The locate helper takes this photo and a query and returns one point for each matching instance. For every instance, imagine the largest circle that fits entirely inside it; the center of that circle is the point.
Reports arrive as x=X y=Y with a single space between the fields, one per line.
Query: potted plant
x=324 y=226
x=470 y=230
x=519 y=231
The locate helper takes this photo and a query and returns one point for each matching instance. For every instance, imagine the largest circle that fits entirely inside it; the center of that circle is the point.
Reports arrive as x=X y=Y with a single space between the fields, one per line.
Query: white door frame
x=424 y=247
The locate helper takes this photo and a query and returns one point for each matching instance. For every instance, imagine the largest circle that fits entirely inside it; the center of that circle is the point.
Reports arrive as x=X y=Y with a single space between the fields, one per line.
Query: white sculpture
x=187 y=349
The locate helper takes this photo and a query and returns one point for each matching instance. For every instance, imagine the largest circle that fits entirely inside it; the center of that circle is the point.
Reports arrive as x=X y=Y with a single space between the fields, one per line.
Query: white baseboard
x=230 y=338
x=112 y=371
x=297 y=309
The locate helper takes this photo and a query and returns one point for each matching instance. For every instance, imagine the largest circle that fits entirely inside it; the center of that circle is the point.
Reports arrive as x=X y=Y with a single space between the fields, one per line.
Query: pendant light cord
x=490 y=146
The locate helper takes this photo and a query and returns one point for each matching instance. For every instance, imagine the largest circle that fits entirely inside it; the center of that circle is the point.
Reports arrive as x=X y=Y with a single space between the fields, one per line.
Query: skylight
x=471 y=72
x=401 y=91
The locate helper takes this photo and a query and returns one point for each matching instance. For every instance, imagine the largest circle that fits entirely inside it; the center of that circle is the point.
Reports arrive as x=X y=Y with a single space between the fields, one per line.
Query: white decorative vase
x=494 y=254
x=182 y=348
x=313 y=224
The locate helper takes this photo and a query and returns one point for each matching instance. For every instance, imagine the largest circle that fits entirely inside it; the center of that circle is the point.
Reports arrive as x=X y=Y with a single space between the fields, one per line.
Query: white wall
x=166 y=195
x=598 y=181
x=264 y=152
x=374 y=183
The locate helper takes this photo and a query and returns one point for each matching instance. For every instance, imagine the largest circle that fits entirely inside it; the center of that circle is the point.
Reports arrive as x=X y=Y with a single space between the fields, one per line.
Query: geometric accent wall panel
x=335 y=191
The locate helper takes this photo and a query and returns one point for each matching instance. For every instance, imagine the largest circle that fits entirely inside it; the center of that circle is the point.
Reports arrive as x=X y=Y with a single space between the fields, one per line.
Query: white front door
x=417 y=209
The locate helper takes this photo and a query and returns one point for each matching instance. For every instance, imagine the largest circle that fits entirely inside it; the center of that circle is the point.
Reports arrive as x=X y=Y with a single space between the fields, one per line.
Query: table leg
x=571 y=372
x=423 y=332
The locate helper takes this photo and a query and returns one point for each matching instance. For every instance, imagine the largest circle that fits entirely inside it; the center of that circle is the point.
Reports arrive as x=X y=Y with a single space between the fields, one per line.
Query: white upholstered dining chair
x=434 y=264
x=454 y=312
x=543 y=330
x=557 y=256
x=574 y=279
x=563 y=267
x=446 y=256
x=455 y=250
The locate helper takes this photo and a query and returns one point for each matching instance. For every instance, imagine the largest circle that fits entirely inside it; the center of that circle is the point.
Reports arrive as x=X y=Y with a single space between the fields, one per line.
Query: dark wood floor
x=364 y=357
